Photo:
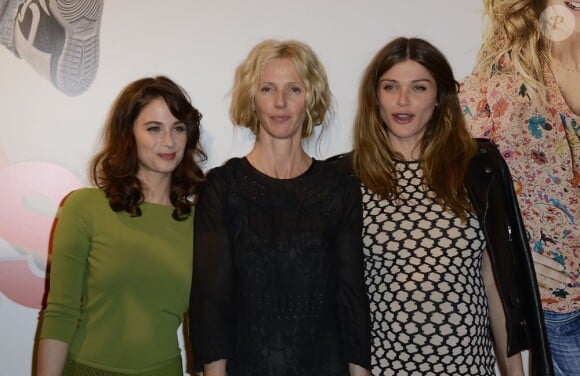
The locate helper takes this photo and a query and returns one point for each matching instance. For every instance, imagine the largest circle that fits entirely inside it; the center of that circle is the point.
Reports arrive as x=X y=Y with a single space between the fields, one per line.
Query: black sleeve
x=353 y=305
x=540 y=351
x=511 y=258
x=211 y=313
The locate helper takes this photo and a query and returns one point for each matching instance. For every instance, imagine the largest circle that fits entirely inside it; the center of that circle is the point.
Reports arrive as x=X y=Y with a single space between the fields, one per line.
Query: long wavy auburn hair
x=114 y=168
x=446 y=146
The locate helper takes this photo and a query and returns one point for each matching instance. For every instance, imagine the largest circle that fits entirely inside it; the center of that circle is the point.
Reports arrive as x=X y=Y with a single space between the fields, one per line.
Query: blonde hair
x=513 y=41
x=309 y=68
x=446 y=147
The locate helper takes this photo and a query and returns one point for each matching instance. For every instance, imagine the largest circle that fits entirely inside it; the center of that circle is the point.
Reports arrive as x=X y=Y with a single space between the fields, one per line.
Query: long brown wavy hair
x=114 y=168
x=513 y=41
x=446 y=146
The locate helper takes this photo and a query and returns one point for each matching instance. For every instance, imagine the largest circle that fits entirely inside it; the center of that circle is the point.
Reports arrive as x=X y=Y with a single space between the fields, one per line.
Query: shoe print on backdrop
x=8 y=11
x=60 y=40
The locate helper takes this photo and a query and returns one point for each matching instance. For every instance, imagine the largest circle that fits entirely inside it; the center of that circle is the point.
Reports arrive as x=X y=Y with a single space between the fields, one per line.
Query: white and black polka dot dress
x=423 y=272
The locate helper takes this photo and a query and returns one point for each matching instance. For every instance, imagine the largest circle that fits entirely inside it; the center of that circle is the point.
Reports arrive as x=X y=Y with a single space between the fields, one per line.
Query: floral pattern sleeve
x=539 y=140
x=475 y=107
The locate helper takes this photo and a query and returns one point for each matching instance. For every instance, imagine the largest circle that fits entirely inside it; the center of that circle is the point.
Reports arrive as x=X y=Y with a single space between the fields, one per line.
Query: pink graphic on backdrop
x=19 y=284
x=31 y=193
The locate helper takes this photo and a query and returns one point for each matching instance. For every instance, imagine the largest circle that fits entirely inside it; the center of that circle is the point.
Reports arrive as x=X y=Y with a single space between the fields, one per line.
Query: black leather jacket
x=492 y=195
x=491 y=192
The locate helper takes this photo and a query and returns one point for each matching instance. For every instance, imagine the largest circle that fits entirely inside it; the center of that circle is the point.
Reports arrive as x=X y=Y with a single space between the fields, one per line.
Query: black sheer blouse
x=278 y=285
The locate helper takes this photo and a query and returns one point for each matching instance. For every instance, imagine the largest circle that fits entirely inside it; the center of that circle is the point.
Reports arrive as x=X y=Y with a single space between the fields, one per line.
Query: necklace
x=565 y=68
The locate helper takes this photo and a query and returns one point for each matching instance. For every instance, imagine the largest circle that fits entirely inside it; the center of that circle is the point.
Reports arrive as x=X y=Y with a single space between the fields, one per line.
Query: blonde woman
x=278 y=283
x=523 y=95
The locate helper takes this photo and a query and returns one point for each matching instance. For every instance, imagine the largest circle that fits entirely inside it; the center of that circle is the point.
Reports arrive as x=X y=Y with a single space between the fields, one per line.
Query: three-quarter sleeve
x=353 y=305
x=68 y=265
x=211 y=314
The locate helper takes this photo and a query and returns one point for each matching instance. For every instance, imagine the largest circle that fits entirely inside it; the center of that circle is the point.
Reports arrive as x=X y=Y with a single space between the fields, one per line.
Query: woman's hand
x=356 y=370
x=549 y=273
x=52 y=355
x=217 y=368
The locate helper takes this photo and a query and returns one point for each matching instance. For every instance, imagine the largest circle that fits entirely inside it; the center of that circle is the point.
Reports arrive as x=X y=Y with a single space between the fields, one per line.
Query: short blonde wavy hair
x=309 y=68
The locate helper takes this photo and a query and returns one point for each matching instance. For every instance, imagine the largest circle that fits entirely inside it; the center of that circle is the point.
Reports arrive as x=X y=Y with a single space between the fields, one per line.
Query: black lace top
x=278 y=273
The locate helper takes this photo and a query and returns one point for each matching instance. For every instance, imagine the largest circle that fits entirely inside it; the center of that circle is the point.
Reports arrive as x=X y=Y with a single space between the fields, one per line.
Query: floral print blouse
x=540 y=143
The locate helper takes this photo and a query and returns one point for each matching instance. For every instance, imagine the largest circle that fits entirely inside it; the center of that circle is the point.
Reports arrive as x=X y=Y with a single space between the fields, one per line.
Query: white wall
x=46 y=137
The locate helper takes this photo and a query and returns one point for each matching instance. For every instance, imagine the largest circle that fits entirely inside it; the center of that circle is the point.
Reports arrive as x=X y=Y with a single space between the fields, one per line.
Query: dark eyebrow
x=414 y=81
x=422 y=79
x=155 y=122
x=152 y=122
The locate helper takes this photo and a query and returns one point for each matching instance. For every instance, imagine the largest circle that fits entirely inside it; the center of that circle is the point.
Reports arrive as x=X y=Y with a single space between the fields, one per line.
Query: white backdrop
x=47 y=138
